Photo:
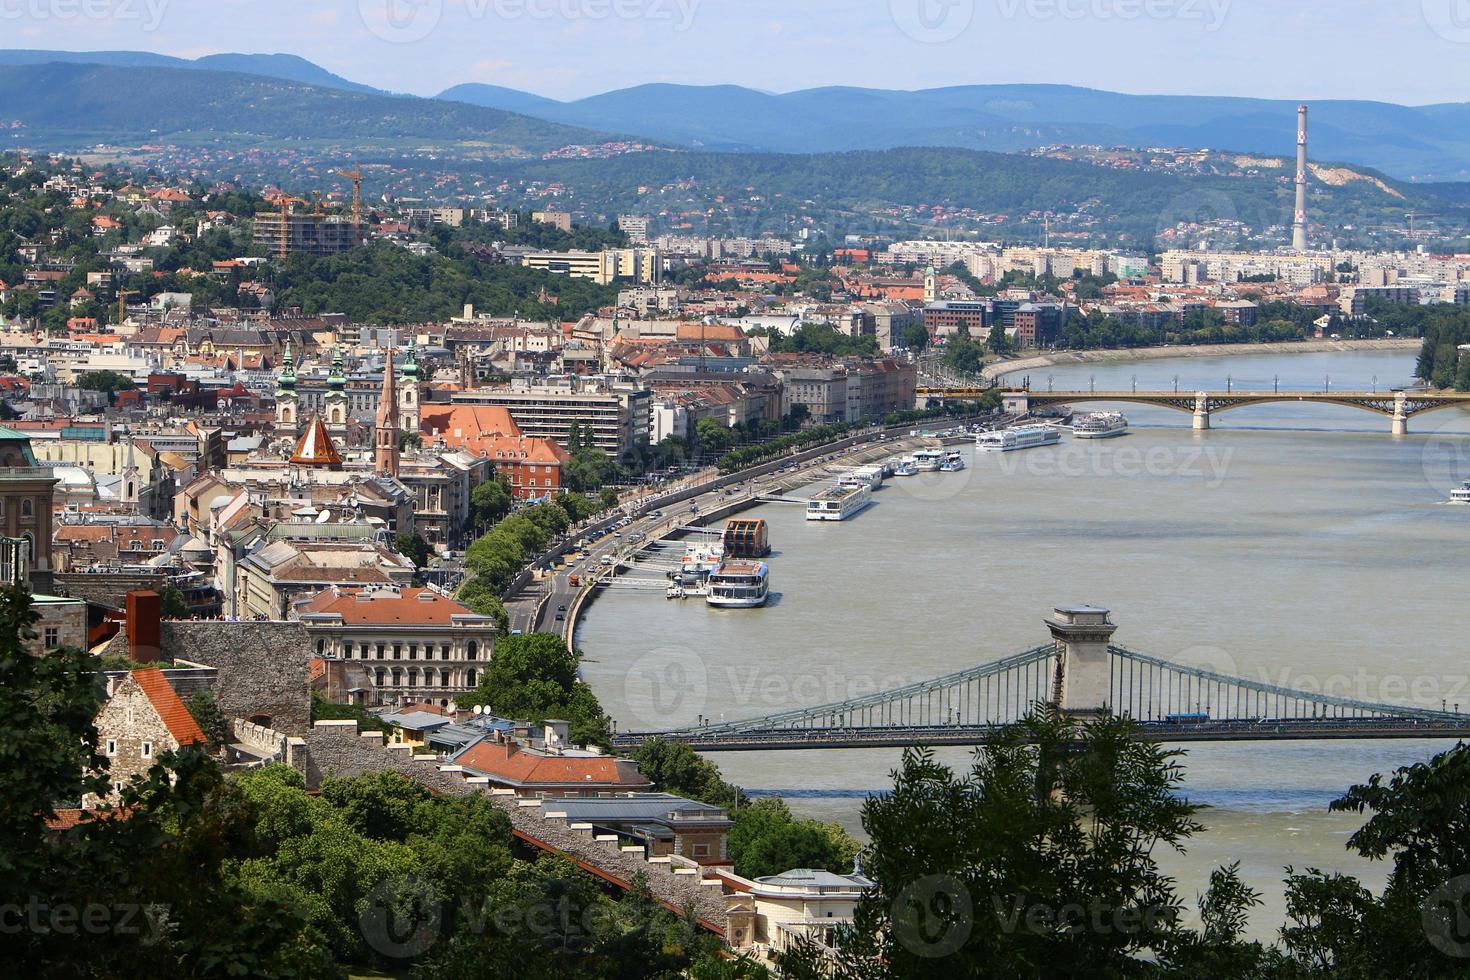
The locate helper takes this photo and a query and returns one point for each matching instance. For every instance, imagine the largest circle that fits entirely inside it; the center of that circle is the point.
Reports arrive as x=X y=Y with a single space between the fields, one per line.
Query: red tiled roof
x=507 y=762
x=408 y=607
x=176 y=718
x=315 y=448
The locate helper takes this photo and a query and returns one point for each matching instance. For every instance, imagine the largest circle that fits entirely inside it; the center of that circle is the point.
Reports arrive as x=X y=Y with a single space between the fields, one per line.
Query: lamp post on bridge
x=1327 y=385
x=1135 y=384
x=1229 y=383
x=1276 y=384
x=1048 y=383
x=1092 y=383
x=1176 y=384
x=1375 y=384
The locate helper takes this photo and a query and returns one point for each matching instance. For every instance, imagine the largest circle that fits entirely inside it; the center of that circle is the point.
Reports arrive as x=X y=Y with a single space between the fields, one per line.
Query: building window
x=413 y=677
x=444 y=652
x=469 y=677
x=444 y=678
x=27 y=508
x=398 y=651
x=147 y=750
x=112 y=746
x=53 y=637
x=380 y=651
x=413 y=651
x=472 y=650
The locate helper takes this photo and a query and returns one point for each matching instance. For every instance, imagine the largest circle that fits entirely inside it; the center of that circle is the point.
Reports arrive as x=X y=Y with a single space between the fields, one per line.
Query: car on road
x=561 y=608
x=656 y=514
x=561 y=617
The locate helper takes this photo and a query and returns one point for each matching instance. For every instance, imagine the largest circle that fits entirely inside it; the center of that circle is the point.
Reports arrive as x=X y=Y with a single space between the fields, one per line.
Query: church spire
x=337 y=380
x=386 y=456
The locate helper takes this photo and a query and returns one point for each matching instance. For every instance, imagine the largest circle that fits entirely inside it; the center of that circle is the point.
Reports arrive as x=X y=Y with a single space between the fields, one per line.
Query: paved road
x=546 y=606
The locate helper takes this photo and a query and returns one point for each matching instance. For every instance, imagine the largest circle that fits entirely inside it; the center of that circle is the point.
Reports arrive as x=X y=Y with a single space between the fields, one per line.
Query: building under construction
x=313 y=234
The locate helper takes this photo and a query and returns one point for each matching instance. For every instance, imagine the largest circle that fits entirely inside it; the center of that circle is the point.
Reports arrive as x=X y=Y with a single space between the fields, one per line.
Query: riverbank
x=1004 y=368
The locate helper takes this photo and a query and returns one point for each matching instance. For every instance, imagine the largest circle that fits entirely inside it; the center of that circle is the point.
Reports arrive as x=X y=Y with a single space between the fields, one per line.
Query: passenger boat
x=864 y=476
x=1100 y=425
x=928 y=460
x=701 y=558
x=838 y=503
x=739 y=585
x=1024 y=437
x=906 y=466
x=1461 y=494
x=953 y=463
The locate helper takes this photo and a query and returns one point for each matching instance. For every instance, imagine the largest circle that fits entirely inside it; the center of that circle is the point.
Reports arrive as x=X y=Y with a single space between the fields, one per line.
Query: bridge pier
x=1400 y=413
x=1201 y=411
x=1084 y=673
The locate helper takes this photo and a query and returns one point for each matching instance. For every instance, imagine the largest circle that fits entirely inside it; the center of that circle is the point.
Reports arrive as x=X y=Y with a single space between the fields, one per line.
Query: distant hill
x=1426 y=142
x=287 y=67
x=65 y=106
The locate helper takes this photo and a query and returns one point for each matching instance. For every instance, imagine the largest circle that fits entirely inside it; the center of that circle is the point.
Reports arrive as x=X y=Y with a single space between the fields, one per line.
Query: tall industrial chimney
x=1299 y=228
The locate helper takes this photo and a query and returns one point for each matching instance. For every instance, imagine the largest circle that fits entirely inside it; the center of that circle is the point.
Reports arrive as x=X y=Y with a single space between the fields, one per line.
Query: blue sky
x=1411 y=51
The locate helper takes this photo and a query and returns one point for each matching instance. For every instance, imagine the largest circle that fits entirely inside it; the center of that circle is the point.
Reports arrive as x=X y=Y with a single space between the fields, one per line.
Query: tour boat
x=1025 y=437
x=929 y=460
x=864 y=476
x=953 y=463
x=1461 y=494
x=739 y=585
x=1100 y=425
x=906 y=466
x=838 y=503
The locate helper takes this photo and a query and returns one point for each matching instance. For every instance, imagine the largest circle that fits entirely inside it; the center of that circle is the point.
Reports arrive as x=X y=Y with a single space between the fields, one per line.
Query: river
x=1298 y=544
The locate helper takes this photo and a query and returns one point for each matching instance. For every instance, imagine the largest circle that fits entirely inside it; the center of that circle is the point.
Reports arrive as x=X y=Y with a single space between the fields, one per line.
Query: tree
x=108 y=381
x=533 y=677
x=206 y=714
x=412 y=546
x=491 y=501
x=175 y=606
x=1041 y=861
x=673 y=767
x=713 y=436
x=914 y=337
x=767 y=840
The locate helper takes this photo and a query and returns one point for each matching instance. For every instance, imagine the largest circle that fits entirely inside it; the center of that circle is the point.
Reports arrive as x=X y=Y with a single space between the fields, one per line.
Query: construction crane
x=356 y=177
x=122 y=303
x=283 y=248
x=1419 y=214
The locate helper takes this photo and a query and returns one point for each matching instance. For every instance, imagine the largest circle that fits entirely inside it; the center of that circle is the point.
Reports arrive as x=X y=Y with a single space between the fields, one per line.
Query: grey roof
x=638 y=807
x=416 y=721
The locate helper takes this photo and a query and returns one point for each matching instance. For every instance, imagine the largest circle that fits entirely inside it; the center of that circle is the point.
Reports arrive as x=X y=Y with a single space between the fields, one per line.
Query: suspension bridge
x=1082 y=674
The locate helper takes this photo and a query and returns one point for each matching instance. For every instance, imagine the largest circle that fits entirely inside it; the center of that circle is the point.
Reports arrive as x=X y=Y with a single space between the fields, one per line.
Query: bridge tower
x=1084 y=666
x=1201 y=411
x=1400 y=413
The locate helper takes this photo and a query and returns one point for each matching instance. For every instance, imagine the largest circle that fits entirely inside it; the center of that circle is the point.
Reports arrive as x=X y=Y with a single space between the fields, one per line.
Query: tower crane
x=356 y=177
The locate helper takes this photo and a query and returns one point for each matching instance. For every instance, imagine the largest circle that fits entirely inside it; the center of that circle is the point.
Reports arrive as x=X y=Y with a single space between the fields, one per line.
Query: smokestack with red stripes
x=1299 y=228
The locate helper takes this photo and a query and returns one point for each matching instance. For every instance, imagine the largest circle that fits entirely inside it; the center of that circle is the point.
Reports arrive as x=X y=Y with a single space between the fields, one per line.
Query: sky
x=1407 y=51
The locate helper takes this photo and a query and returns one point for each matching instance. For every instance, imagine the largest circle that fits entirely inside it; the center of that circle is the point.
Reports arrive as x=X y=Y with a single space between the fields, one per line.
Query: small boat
x=1025 y=437
x=906 y=466
x=838 y=503
x=1461 y=494
x=929 y=460
x=1100 y=425
x=739 y=585
x=953 y=463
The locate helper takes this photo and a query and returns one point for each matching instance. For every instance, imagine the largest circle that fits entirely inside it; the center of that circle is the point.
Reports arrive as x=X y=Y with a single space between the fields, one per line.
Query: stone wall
x=338 y=749
x=106 y=589
x=264 y=668
x=124 y=725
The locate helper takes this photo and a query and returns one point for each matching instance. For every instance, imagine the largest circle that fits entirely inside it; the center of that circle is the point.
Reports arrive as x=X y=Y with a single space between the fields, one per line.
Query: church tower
x=931 y=285
x=335 y=401
x=386 y=454
x=408 y=392
x=287 y=406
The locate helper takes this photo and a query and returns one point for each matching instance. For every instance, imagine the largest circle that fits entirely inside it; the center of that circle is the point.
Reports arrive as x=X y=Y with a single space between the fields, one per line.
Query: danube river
x=1297 y=544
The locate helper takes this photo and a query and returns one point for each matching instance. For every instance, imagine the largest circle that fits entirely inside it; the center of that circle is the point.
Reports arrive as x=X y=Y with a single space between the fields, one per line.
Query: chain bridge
x=1082 y=674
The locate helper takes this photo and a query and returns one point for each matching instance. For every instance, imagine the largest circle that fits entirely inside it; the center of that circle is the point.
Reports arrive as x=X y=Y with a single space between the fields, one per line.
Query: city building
x=415 y=643
x=610 y=414
x=142 y=720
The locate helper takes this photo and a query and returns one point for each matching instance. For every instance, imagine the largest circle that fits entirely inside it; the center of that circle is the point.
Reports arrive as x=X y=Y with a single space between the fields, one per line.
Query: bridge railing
x=1150 y=689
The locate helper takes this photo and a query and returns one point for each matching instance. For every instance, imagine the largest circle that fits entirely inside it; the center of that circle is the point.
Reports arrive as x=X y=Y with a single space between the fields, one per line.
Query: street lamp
x=1092 y=382
x=1176 y=384
x=1375 y=384
x=1229 y=383
x=1327 y=384
x=1276 y=384
x=1135 y=384
x=1048 y=383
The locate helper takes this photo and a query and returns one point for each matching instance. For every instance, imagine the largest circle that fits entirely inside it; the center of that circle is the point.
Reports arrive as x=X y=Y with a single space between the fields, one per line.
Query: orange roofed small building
x=535 y=467
x=551 y=772
x=143 y=719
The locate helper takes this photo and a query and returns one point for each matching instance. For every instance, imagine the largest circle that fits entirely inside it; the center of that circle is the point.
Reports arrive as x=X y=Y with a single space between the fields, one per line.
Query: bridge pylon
x=1400 y=413
x=1084 y=662
x=1201 y=411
